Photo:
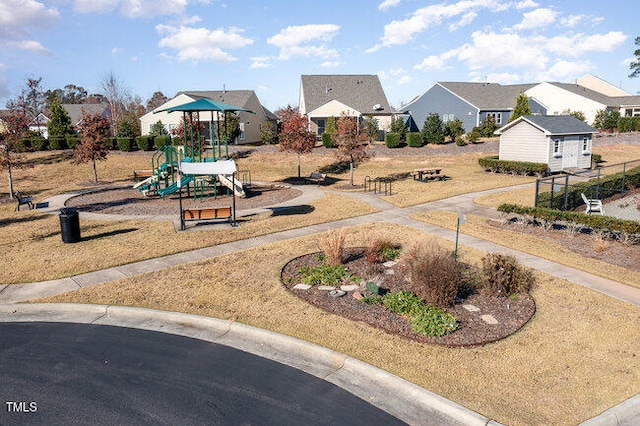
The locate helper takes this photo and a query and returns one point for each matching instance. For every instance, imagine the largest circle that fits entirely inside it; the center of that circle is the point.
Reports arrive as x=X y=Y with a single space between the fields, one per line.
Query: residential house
x=3 y=124
x=473 y=102
x=249 y=123
x=469 y=102
x=560 y=141
x=40 y=123
x=324 y=96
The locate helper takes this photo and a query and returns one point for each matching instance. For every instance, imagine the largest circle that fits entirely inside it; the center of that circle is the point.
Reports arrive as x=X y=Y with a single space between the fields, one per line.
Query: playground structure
x=166 y=176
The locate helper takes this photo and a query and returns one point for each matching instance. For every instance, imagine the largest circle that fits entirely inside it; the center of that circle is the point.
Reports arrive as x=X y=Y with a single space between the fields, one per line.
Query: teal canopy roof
x=205 y=104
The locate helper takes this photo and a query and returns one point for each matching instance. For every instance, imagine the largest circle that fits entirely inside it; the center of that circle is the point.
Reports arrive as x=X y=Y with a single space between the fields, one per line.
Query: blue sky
x=176 y=45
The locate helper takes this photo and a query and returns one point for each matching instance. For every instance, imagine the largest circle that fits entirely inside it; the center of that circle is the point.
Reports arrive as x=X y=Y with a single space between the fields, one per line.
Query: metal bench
x=317 y=178
x=23 y=200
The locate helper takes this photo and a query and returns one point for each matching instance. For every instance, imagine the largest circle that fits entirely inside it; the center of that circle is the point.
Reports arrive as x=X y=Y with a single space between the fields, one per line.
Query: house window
x=445 y=118
x=585 y=145
x=497 y=116
x=322 y=125
x=241 y=131
x=557 y=147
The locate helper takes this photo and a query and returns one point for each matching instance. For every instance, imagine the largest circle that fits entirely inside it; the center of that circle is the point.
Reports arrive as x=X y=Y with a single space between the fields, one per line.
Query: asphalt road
x=62 y=373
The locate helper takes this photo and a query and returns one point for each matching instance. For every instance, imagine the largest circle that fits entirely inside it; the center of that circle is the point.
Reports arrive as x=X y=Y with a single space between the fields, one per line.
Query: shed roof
x=553 y=124
x=359 y=91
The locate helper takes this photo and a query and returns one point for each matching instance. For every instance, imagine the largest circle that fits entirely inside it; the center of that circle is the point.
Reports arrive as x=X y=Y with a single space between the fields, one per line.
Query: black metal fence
x=564 y=192
x=379 y=185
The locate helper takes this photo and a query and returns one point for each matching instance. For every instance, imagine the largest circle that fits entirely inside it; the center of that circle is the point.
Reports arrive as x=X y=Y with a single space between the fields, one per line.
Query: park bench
x=425 y=175
x=207 y=213
x=139 y=175
x=23 y=200
x=317 y=178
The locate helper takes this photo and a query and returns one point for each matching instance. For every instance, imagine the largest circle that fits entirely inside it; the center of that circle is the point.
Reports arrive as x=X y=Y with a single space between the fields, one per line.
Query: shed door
x=570 y=153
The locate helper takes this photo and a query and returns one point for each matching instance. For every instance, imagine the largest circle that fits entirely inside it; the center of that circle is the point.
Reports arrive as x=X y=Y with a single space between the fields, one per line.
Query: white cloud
x=431 y=63
x=388 y=4
x=537 y=19
x=330 y=64
x=4 y=84
x=197 y=44
x=305 y=41
x=491 y=50
x=132 y=8
x=580 y=44
x=260 y=62
x=501 y=78
x=18 y=17
x=400 y=32
x=563 y=70
x=405 y=79
x=526 y=4
x=116 y=51
x=28 y=45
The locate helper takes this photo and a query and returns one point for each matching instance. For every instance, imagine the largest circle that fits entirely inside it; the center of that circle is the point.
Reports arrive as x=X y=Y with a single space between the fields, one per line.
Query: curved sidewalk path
x=9 y=294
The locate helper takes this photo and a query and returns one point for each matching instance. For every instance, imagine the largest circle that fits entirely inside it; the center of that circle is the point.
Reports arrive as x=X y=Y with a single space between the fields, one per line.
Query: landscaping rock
x=471 y=308
x=389 y=263
x=326 y=287
x=302 y=287
x=349 y=287
x=489 y=319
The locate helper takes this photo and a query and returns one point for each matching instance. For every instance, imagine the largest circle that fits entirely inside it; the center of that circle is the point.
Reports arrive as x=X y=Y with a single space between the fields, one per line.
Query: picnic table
x=427 y=174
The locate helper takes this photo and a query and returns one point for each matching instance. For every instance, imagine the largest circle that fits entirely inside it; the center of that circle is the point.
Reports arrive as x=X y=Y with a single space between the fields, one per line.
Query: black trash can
x=69 y=224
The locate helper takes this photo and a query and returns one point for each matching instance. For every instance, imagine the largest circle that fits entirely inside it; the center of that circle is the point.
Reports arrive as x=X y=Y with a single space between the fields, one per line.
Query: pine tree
x=521 y=108
x=433 y=129
x=60 y=123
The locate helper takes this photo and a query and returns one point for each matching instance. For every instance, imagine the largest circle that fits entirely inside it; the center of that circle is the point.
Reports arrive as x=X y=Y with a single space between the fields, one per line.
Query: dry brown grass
x=34 y=250
x=576 y=358
x=332 y=244
x=478 y=227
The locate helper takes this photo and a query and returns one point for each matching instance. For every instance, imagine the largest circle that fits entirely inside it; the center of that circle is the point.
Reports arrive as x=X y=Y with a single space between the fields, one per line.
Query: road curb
x=398 y=397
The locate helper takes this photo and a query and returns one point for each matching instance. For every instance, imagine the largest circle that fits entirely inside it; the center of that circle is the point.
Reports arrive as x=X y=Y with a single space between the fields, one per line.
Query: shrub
x=628 y=124
x=392 y=139
x=327 y=140
x=424 y=319
x=326 y=275
x=72 y=141
x=380 y=249
x=414 y=139
x=332 y=244
x=460 y=141
x=474 y=135
x=38 y=143
x=493 y=164
x=433 y=129
x=160 y=141
x=453 y=129
x=433 y=273
x=144 y=143
x=124 y=144
x=398 y=126
x=596 y=158
x=504 y=276
x=57 y=142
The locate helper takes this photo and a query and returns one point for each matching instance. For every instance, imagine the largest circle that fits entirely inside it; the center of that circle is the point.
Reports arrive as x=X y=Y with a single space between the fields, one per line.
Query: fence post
x=566 y=192
x=535 y=203
x=553 y=189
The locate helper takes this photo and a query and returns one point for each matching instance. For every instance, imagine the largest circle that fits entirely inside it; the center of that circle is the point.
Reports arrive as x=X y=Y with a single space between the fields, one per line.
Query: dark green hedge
x=144 y=143
x=72 y=141
x=392 y=139
x=57 y=142
x=594 y=221
x=125 y=144
x=159 y=141
x=414 y=139
x=525 y=168
x=38 y=143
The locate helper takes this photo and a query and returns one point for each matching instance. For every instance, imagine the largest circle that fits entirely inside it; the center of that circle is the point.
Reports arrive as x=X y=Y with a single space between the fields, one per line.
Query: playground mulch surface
x=128 y=201
x=510 y=314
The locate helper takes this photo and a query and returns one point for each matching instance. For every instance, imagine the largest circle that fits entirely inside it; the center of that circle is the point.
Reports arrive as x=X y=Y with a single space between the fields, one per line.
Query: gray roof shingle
x=360 y=92
x=559 y=124
x=487 y=96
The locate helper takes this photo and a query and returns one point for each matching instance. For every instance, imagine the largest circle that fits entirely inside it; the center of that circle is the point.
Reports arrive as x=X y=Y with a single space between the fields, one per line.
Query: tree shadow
x=53 y=158
x=108 y=234
x=291 y=210
x=242 y=154
x=21 y=219
x=338 y=167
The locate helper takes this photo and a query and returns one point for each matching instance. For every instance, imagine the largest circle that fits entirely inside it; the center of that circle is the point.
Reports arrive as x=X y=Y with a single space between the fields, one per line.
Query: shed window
x=557 y=147
x=241 y=131
x=585 y=145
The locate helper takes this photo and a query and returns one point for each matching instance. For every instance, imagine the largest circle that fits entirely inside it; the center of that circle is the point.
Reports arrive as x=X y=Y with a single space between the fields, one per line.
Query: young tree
x=15 y=126
x=269 y=132
x=606 y=119
x=122 y=104
x=398 y=126
x=489 y=126
x=454 y=129
x=92 y=146
x=158 y=129
x=60 y=123
x=433 y=129
x=634 y=66
x=351 y=143
x=229 y=127
x=577 y=114
x=294 y=136
x=371 y=128
x=521 y=108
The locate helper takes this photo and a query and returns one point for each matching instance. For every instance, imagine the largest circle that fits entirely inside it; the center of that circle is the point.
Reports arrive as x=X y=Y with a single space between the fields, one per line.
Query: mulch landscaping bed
x=128 y=201
x=511 y=314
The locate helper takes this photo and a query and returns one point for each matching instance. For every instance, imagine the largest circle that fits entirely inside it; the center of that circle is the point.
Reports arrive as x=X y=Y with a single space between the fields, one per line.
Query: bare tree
x=157 y=99
x=351 y=142
x=117 y=96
